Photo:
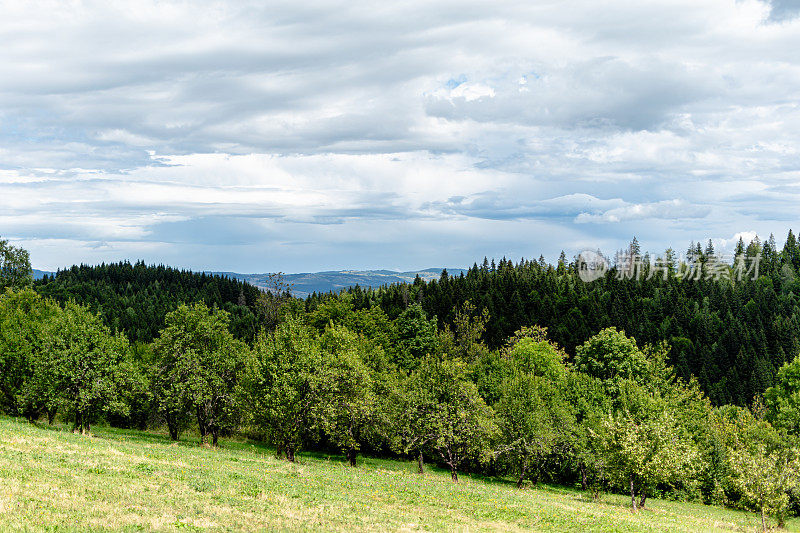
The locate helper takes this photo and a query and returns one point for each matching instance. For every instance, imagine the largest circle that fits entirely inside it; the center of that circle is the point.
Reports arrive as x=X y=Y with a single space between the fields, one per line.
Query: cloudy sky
x=305 y=136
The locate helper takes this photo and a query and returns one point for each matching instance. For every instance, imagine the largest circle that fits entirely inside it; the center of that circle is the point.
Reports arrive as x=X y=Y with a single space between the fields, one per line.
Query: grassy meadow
x=53 y=480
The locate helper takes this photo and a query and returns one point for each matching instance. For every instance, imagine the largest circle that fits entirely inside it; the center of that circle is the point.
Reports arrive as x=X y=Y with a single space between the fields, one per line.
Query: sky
x=306 y=136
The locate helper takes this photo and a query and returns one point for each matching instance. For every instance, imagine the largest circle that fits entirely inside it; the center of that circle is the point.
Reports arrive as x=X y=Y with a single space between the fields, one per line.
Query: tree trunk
x=420 y=464
x=454 y=474
x=31 y=415
x=202 y=427
x=633 y=495
x=51 y=416
x=352 y=453
x=522 y=477
x=584 y=480
x=81 y=423
x=214 y=436
x=763 y=520
x=173 y=428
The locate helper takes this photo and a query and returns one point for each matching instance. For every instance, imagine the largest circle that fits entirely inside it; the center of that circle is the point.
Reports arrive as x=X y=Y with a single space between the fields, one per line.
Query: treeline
x=615 y=417
x=731 y=335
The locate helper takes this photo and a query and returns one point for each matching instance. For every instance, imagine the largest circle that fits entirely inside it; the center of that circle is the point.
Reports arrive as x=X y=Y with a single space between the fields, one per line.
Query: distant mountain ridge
x=39 y=274
x=306 y=283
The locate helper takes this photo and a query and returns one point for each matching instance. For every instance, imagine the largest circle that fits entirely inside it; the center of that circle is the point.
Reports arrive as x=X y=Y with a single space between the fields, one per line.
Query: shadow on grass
x=191 y=440
x=149 y=436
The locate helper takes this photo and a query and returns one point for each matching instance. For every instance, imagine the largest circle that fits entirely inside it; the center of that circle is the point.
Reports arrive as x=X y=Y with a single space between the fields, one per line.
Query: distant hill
x=39 y=274
x=305 y=283
x=135 y=298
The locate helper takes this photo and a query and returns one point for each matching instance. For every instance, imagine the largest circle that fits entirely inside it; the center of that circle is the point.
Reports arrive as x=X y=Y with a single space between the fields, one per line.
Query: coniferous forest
x=650 y=385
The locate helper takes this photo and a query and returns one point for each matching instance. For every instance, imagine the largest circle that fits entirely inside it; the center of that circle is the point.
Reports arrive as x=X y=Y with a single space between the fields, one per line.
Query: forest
x=660 y=386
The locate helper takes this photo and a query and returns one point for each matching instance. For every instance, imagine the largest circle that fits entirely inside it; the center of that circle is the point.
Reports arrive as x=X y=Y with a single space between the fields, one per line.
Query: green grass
x=51 y=479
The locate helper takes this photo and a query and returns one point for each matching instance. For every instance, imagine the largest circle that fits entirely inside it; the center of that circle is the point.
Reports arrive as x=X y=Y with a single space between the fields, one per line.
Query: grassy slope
x=54 y=480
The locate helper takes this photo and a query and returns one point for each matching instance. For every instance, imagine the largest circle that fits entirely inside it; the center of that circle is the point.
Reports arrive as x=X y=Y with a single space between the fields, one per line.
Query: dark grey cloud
x=784 y=9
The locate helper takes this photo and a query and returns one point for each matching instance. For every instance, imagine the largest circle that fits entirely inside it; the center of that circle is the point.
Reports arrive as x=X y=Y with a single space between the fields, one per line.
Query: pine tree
x=562 y=264
x=739 y=247
x=709 y=249
x=790 y=250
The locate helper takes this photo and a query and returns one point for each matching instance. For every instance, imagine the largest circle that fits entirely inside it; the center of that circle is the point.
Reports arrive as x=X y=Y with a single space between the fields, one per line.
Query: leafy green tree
x=535 y=420
x=590 y=406
x=169 y=390
x=23 y=317
x=339 y=310
x=646 y=437
x=272 y=303
x=760 y=470
x=336 y=310
x=200 y=364
x=349 y=411
x=413 y=338
x=284 y=385
x=82 y=366
x=644 y=445
x=765 y=478
x=446 y=415
x=783 y=400
x=15 y=266
x=138 y=394
x=612 y=356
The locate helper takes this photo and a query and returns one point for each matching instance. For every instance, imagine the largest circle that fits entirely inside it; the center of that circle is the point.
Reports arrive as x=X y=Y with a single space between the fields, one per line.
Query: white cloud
x=141 y=128
x=665 y=209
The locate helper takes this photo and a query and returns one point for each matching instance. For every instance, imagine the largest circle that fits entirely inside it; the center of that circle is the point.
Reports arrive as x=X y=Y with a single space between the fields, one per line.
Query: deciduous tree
x=283 y=387
x=200 y=364
x=447 y=416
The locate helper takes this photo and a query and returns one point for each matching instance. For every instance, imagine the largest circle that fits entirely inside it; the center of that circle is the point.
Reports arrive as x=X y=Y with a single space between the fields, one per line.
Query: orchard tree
x=760 y=470
x=349 y=412
x=284 y=385
x=446 y=415
x=138 y=394
x=23 y=317
x=765 y=478
x=82 y=365
x=169 y=390
x=200 y=364
x=611 y=356
x=535 y=420
x=586 y=395
x=644 y=444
